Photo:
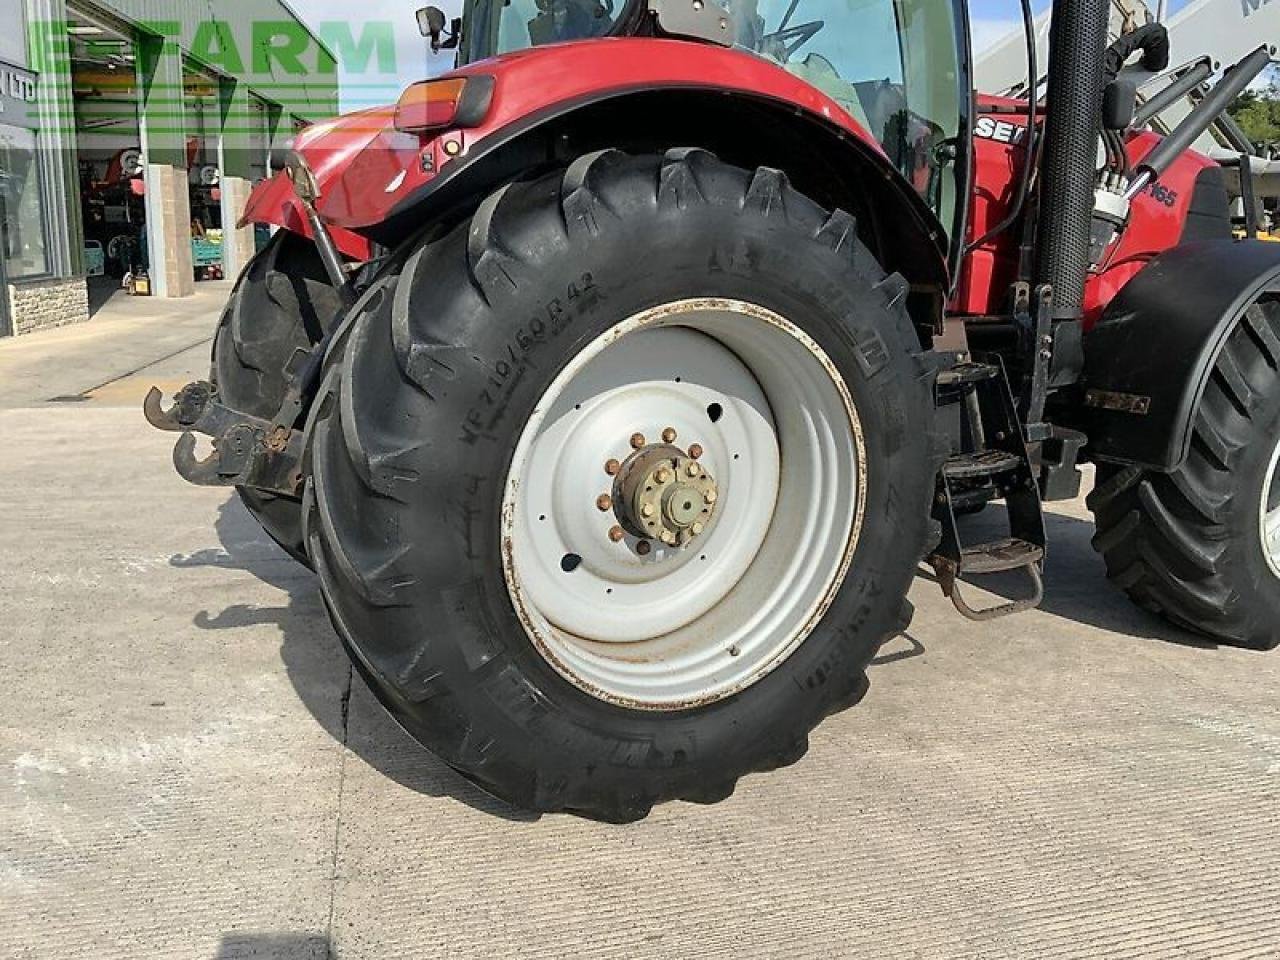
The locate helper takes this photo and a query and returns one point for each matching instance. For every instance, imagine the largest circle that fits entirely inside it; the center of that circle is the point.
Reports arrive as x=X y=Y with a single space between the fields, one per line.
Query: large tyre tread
x=349 y=546
x=278 y=306
x=1170 y=540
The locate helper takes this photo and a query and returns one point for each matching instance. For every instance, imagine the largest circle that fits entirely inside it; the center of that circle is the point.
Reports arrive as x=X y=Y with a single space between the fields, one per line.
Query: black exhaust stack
x=1077 y=50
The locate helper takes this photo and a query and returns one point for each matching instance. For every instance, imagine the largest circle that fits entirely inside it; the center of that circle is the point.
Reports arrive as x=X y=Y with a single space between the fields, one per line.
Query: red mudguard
x=365 y=167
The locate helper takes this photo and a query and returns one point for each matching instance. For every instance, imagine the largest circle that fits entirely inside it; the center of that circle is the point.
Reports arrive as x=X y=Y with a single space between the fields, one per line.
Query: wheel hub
x=663 y=493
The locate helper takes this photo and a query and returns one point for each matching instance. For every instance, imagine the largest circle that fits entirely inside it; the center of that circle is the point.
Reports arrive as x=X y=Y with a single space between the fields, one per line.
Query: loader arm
x=1219 y=31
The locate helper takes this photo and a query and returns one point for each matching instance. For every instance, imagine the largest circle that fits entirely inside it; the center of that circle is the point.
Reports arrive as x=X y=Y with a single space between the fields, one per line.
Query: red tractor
x=616 y=383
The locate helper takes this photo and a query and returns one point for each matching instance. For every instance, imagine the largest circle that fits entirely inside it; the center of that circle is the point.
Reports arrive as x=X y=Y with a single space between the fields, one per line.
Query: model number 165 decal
x=1163 y=194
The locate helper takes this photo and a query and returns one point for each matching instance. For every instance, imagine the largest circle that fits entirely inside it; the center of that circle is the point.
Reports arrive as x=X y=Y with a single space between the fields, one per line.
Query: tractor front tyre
x=280 y=305
x=619 y=486
x=1201 y=545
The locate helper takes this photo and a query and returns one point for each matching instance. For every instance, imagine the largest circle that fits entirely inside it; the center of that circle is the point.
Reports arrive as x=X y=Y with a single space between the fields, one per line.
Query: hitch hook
x=201 y=472
x=189 y=405
x=156 y=415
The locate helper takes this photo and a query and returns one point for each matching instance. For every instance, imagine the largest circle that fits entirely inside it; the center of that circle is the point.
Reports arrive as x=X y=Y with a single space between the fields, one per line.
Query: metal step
x=999 y=556
x=996 y=465
x=985 y=463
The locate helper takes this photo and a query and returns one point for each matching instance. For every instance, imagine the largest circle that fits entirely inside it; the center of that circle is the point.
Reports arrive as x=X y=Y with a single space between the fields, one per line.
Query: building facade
x=131 y=132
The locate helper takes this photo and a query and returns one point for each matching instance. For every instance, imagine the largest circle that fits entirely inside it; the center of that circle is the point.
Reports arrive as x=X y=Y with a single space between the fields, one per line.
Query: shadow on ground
x=274 y=946
x=1076 y=586
x=101 y=291
x=318 y=667
x=1075 y=589
x=902 y=647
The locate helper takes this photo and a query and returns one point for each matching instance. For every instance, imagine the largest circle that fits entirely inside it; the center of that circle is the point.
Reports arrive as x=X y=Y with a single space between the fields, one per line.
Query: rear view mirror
x=431 y=21
x=1119 y=102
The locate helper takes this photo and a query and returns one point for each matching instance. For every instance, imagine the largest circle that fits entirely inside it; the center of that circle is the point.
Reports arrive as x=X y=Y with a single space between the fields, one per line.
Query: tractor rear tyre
x=280 y=305
x=621 y=484
x=1201 y=545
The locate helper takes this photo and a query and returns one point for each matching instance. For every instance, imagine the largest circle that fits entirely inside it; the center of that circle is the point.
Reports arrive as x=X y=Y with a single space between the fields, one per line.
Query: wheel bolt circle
x=616 y=534
x=662 y=494
x=669 y=435
x=695 y=450
x=604 y=502
x=637 y=440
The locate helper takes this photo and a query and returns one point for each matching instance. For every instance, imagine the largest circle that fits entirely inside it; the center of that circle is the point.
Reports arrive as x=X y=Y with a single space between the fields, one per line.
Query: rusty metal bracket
x=248 y=451
x=307 y=190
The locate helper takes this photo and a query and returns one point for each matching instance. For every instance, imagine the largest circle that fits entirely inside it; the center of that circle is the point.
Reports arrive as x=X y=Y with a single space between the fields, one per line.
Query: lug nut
x=696 y=528
x=695 y=450
x=637 y=440
x=692 y=470
x=646 y=510
x=616 y=534
x=604 y=502
x=611 y=467
x=668 y=537
x=662 y=476
x=669 y=435
x=709 y=496
x=643 y=548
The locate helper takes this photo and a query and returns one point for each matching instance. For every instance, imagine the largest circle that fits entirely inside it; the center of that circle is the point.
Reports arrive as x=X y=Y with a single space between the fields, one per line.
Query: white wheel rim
x=1269 y=516
x=685 y=625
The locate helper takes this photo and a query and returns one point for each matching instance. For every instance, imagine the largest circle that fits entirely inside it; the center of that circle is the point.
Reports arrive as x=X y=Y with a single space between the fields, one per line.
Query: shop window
x=23 y=242
x=259 y=140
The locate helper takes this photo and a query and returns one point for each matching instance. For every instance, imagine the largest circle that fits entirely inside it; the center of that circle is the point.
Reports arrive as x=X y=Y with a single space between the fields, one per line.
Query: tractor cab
x=899 y=68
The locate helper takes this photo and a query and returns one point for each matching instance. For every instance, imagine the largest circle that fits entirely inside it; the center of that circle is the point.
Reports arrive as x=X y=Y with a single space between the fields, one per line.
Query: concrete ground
x=189 y=770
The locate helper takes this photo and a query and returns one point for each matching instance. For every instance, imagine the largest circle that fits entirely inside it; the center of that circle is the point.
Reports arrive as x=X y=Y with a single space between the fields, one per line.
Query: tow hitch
x=247 y=451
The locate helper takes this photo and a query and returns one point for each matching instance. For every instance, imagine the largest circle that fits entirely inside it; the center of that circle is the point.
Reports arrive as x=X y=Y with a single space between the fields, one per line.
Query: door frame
x=6 y=320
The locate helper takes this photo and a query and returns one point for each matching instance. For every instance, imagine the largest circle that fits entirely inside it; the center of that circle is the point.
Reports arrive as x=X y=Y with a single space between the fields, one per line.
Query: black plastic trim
x=1148 y=362
x=473 y=105
x=1209 y=215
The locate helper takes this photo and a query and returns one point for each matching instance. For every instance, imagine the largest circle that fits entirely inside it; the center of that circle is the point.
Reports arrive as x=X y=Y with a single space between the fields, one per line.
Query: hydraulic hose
x=1152 y=39
x=1180 y=87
